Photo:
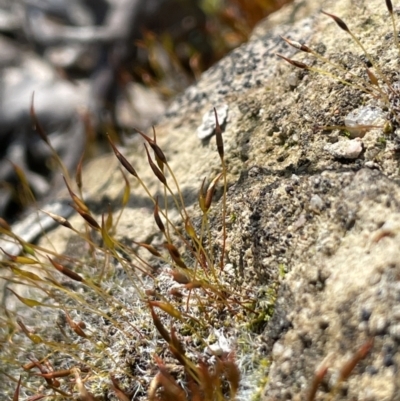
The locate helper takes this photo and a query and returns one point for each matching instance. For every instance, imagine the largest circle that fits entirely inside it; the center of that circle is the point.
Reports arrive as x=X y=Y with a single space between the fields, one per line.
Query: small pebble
x=372 y=165
x=316 y=204
x=277 y=350
x=363 y=116
x=287 y=354
x=293 y=79
x=346 y=149
x=286 y=368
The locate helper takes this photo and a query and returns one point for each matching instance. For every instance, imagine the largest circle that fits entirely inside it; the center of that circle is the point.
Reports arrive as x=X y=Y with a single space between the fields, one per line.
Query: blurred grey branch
x=98 y=39
x=123 y=19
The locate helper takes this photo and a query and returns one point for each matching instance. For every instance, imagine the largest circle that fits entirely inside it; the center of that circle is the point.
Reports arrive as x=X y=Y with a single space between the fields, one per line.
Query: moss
x=117 y=313
x=265 y=309
x=262 y=371
x=282 y=270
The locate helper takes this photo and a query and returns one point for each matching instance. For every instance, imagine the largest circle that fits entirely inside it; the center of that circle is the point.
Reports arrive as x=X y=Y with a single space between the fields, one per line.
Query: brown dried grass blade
x=88 y=218
x=297 y=45
x=157 y=172
x=149 y=248
x=16 y=393
x=372 y=77
x=210 y=191
x=20 y=259
x=218 y=136
x=202 y=197
x=78 y=174
x=52 y=375
x=232 y=373
x=389 y=6
x=33 y=337
x=157 y=218
x=159 y=326
x=78 y=202
x=171 y=389
x=128 y=167
x=190 y=229
x=175 y=255
x=108 y=241
x=176 y=344
x=152 y=142
x=121 y=395
x=297 y=64
x=67 y=272
x=179 y=277
x=318 y=377
x=59 y=219
x=340 y=23
x=206 y=381
x=74 y=326
x=83 y=393
x=167 y=308
x=349 y=366
x=26 y=301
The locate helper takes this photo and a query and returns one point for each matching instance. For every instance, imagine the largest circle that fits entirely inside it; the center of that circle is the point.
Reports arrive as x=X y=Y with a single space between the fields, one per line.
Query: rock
x=363 y=119
x=345 y=149
x=208 y=124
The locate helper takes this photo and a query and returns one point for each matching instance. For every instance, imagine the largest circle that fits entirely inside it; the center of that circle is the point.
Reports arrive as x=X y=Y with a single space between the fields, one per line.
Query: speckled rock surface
x=343 y=283
x=323 y=230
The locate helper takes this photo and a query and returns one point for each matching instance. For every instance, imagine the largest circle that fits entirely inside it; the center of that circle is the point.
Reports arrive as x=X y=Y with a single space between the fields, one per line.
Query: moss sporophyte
x=110 y=326
x=376 y=82
x=117 y=324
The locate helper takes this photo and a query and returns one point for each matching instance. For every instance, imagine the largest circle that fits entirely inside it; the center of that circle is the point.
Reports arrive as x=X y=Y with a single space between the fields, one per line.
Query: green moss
x=282 y=270
x=382 y=141
x=263 y=370
x=266 y=306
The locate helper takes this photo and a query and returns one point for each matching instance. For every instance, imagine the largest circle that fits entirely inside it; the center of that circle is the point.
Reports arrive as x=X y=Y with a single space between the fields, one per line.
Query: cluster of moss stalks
x=122 y=321
x=135 y=321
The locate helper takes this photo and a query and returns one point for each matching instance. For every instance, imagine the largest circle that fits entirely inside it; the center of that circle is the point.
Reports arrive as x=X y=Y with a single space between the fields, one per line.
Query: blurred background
x=97 y=66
